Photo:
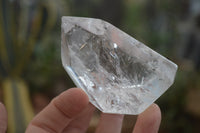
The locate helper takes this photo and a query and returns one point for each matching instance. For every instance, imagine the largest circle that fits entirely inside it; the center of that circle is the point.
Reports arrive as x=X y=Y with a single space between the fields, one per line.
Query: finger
x=57 y=115
x=81 y=122
x=110 y=123
x=3 y=118
x=149 y=120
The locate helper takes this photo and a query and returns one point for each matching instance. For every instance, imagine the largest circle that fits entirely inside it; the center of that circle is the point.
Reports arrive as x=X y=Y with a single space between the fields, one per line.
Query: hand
x=71 y=112
x=3 y=119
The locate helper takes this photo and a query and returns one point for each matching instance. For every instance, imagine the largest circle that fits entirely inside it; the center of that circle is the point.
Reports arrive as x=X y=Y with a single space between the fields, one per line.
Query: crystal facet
x=118 y=73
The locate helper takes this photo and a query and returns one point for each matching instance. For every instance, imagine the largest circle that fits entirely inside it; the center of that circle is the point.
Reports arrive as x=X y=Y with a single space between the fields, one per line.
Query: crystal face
x=118 y=73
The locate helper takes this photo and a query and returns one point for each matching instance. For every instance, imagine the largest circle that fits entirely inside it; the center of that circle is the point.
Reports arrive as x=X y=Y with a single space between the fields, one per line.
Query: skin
x=70 y=112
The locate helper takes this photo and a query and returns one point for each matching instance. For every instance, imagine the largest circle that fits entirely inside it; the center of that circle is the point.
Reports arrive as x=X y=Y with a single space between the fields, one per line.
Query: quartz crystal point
x=119 y=74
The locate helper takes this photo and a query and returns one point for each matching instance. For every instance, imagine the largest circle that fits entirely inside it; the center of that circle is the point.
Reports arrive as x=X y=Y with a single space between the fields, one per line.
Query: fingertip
x=155 y=110
x=2 y=107
x=80 y=93
x=74 y=99
x=75 y=95
x=110 y=123
x=149 y=120
x=152 y=115
x=3 y=118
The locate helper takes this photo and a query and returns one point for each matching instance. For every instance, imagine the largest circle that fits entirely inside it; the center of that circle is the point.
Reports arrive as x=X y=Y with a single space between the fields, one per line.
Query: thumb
x=59 y=113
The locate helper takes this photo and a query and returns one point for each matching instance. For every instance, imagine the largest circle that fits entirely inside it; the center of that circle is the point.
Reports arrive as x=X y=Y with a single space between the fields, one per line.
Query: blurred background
x=31 y=73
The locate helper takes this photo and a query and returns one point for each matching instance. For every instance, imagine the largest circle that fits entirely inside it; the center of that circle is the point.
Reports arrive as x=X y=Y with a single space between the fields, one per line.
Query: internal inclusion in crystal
x=115 y=80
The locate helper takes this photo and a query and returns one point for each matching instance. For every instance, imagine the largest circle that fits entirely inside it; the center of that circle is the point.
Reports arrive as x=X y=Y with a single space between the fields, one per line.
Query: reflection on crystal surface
x=119 y=74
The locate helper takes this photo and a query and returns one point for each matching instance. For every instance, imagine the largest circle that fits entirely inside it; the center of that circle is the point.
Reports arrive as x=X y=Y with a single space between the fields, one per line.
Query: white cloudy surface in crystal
x=119 y=74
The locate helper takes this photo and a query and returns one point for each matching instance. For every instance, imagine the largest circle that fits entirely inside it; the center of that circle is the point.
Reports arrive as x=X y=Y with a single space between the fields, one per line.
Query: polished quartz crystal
x=119 y=74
